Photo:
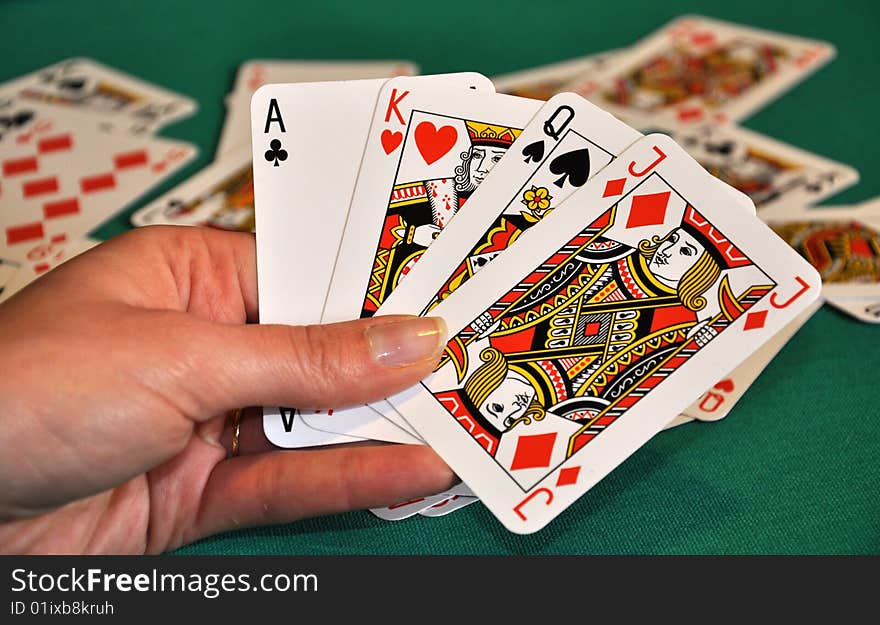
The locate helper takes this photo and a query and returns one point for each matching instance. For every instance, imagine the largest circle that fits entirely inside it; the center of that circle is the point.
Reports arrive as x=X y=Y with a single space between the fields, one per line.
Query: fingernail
x=403 y=343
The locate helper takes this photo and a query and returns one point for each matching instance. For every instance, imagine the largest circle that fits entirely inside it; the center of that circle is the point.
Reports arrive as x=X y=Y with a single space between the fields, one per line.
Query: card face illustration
x=698 y=69
x=566 y=355
x=843 y=244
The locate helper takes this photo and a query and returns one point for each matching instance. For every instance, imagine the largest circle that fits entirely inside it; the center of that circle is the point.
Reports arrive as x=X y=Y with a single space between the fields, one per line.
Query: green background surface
x=792 y=470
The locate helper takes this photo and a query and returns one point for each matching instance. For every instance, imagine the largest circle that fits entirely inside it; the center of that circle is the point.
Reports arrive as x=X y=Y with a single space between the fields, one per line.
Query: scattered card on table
x=697 y=69
x=117 y=100
x=61 y=177
x=219 y=196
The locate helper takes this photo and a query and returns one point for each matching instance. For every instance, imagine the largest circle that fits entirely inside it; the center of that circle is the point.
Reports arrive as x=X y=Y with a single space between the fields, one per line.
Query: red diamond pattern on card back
x=648 y=210
x=755 y=320
x=39 y=187
x=100 y=182
x=54 y=144
x=137 y=158
x=69 y=206
x=568 y=475
x=614 y=187
x=19 y=166
x=533 y=451
x=24 y=232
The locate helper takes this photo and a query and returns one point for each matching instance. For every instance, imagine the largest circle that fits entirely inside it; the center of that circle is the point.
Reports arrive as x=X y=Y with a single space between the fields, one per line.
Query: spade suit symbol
x=534 y=152
x=574 y=165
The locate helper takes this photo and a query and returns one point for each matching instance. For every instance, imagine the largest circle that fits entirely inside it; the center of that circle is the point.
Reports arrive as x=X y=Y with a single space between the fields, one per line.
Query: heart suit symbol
x=390 y=140
x=433 y=143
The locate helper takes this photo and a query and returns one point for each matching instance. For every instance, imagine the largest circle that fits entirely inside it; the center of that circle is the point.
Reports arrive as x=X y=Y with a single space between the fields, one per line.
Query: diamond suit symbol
x=568 y=475
x=648 y=210
x=533 y=451
x=614 y=187
x=755 y=320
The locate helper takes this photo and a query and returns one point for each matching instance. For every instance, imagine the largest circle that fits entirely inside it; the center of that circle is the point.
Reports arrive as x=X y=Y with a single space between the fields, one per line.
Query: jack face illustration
x=594 y=328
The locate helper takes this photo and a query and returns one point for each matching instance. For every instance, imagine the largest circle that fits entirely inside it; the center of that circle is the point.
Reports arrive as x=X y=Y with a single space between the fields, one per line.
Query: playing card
x=254 y=74
x=864 y=309
x=427 y=152
x=61 y=178
x=219 y=196
x=542 y=83
x=117 y=101
x=307 y=147
x=843 y=244
x=698 y=69
x=778 y=177
x=442 y=508
x=566 y=143
x=619 y=309
x=407 y=509
x=54 y=255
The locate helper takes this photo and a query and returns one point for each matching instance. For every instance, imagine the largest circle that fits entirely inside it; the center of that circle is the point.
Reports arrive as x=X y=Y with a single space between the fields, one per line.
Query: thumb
x=313 y=367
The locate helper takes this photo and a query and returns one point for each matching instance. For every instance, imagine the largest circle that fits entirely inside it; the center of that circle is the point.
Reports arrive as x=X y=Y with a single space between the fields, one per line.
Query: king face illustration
x=418 y=211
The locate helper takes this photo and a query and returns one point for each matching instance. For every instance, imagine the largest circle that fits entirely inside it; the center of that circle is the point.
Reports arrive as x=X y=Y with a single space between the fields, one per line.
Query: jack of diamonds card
x=565 y=144
x=697 y=69
x=569 y=353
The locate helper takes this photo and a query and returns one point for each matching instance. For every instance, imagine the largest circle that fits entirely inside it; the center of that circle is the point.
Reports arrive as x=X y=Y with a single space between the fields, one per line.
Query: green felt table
x=792 y=470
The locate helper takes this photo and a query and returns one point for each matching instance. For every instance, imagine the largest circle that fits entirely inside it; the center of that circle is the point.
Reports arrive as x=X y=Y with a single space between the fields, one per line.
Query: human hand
x=119 y=367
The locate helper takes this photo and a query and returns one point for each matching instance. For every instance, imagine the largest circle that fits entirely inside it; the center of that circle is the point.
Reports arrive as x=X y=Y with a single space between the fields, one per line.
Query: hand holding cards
x=613 y=303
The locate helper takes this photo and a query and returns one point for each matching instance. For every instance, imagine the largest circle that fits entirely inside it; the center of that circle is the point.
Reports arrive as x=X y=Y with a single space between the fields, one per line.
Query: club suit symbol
x=275 y=153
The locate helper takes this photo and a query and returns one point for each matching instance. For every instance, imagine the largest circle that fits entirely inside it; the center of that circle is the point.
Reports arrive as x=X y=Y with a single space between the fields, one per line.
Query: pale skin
x=118 y=371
